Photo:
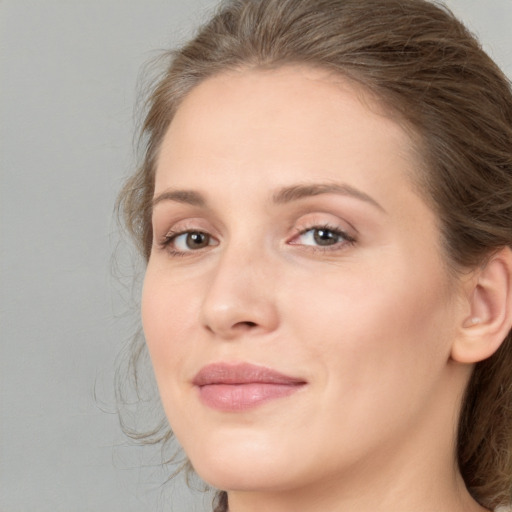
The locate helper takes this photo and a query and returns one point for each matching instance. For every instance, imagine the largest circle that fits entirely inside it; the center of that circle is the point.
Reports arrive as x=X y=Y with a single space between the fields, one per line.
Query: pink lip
x=237 y=387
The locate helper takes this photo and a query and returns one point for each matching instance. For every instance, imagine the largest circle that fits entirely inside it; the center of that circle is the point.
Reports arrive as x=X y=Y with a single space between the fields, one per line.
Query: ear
x=489 y=320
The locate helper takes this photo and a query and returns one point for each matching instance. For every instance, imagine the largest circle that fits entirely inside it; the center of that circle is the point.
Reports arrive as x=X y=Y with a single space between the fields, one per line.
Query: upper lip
x=242 y=373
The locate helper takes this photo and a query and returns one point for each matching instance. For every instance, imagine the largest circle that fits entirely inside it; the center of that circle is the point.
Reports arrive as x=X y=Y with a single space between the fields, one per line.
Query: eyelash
x=347 y=240
x=340 y=233
x=171 y=236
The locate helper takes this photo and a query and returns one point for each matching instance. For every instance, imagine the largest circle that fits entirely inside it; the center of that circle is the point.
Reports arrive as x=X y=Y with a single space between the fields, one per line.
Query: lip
x=241 y=386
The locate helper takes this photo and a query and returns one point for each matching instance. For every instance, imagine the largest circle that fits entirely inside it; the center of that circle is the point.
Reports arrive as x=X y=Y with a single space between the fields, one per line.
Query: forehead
x=278 y=119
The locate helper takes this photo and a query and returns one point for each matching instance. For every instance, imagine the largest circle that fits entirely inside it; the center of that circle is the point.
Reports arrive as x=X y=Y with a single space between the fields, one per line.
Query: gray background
x=68 y=75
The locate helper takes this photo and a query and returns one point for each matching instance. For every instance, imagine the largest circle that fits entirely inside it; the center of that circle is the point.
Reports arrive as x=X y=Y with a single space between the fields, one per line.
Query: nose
x=240 y=298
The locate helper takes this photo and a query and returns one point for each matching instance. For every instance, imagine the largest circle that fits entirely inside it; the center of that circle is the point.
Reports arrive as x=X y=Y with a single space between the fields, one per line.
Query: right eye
x=187 y=241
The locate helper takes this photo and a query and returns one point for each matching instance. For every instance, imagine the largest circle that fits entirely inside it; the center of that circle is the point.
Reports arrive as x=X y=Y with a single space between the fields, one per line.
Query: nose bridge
x=240 y=295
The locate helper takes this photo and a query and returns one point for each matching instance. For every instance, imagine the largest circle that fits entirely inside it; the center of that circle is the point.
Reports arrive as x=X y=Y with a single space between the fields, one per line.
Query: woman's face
x=296 y=307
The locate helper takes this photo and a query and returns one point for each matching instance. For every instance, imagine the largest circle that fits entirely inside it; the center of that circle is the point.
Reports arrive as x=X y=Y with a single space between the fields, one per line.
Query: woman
x=325 y=208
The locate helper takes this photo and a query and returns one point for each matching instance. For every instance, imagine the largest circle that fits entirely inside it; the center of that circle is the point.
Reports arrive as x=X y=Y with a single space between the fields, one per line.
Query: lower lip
x=240 y=397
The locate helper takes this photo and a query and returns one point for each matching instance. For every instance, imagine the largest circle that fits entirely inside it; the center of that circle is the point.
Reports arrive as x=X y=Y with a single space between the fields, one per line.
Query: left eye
x=321 y=236
x=192 y=240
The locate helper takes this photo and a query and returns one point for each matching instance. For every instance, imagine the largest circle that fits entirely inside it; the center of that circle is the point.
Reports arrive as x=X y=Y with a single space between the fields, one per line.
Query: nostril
x=248 y=324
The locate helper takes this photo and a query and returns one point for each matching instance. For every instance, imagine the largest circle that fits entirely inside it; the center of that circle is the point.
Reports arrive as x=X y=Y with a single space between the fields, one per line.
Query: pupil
x=197 y=240
x=325 y=237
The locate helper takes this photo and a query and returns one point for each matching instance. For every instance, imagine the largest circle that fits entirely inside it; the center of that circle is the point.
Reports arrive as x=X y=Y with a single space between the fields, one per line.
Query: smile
x=238 y=387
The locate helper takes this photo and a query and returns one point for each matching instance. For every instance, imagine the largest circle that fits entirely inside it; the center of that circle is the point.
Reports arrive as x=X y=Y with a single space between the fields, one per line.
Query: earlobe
x=490 y=317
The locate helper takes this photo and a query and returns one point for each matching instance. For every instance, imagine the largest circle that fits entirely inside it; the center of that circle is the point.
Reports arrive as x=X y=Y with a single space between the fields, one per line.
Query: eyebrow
x=180 y=196
x=297 y=192
x=282 y=196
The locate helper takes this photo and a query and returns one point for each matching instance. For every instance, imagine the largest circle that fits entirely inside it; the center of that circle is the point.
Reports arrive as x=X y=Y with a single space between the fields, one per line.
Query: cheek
x=376 y=328
x=154 y=311
x=378 y=344
x=166 y=314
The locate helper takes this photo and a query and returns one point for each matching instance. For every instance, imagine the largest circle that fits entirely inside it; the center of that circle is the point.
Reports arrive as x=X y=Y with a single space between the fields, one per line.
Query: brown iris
x=197 y=240
x=325 y=237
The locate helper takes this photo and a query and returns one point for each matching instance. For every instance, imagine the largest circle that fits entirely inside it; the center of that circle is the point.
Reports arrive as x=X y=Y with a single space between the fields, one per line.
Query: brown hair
x=427 y=69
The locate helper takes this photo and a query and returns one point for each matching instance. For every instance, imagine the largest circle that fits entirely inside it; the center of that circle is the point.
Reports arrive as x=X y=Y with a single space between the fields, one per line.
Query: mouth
x=238 y=387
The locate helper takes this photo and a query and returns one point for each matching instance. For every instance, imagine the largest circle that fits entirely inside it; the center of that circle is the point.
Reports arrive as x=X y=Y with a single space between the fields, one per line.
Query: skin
x=368 y=322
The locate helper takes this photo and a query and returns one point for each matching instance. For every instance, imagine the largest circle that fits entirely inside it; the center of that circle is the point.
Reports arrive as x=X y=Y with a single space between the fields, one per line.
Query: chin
x=249 y=478
x=242 y=466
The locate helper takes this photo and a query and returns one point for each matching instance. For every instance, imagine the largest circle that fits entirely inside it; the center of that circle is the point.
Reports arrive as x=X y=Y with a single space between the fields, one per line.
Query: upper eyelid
x=162 y=228
x=319 y=220
x=172 y=233
x=185 y=220
x=335 y=229
x=190 y=231
x=184 y=224
x=190 y=203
